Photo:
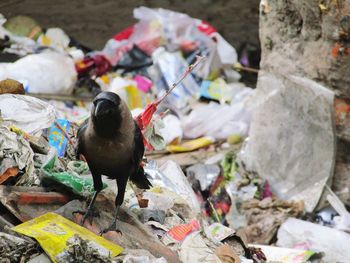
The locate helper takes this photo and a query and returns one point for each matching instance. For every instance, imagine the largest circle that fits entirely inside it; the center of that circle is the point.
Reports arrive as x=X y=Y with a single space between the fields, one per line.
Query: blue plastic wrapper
x=57 y=138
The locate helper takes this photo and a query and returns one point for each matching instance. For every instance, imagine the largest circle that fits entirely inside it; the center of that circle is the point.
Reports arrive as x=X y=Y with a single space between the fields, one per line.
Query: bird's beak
x=98 y=109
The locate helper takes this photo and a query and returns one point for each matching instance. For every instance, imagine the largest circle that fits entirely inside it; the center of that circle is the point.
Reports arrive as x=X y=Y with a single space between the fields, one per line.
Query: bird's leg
x=113 y=226
x=89 y=211
x=98 y=187
x=118 y=202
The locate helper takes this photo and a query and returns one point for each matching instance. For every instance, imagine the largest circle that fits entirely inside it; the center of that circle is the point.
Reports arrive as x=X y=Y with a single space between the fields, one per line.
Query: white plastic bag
x=219 y=121
x=172 y=128
x=170 y=176
x=47 y=72
x=27 y=113
x=295 y=233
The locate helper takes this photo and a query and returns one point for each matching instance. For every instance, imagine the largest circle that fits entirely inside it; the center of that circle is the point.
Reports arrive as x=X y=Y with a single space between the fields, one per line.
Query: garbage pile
x=206 y=203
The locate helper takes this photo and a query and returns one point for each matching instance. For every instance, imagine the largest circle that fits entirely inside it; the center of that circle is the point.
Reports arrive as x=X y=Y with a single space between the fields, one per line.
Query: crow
x=112 y=144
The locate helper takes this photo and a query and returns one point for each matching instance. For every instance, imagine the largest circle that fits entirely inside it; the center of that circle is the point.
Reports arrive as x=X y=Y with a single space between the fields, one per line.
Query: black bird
x=112 y=145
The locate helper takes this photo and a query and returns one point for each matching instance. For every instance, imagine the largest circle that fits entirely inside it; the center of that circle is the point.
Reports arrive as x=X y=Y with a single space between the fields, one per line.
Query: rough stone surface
x=341 y=180
x=298 y=38
x=291 y=140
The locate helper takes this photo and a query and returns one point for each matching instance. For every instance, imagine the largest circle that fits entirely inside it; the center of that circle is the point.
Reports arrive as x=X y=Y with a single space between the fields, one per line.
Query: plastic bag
x=47 y=72
x=27 y=113
x=170 y=176
x=168 y=66
x=172 y=130
x=219 y=121
x=295 y=233
x=80 y=185
x=206 y=174
x=53 y=232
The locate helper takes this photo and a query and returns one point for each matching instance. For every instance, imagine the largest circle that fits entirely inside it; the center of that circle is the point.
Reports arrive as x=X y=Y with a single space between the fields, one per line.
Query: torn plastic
x=57 y=138
x=170 y=176
x=27 y=113
x=204 y=173
x=169 y=65
x=288 y=112
x=80 y=185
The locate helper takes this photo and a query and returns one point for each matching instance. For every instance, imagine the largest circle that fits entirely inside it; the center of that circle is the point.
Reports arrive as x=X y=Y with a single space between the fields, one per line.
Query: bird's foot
x=112 y=227
x=88 y=214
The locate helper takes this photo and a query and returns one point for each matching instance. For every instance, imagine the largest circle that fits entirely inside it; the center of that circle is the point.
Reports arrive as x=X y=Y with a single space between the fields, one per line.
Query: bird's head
x=107 y=111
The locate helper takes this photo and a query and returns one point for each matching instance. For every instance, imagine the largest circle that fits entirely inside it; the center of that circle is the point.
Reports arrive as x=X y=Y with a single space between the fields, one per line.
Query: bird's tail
x=140 y=179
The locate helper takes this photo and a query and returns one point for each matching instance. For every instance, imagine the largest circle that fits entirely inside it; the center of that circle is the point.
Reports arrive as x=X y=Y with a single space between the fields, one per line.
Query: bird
x=112 y=144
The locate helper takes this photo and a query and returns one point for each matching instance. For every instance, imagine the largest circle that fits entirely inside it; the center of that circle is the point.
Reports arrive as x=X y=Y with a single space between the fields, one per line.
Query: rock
x=291 y=140
x=11 y=86
x=298 y=38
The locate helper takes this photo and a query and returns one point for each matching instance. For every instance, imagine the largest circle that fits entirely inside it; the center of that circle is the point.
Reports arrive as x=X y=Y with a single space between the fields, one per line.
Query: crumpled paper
x=16 y=147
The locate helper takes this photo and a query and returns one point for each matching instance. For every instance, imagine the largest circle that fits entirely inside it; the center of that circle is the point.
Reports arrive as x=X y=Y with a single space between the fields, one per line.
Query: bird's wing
x=138 y=175
x=80 y=138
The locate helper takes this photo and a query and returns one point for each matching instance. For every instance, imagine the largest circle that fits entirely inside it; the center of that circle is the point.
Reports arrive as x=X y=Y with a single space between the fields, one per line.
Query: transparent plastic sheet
x=291 y=139
x=27 y=113
x=170 y=176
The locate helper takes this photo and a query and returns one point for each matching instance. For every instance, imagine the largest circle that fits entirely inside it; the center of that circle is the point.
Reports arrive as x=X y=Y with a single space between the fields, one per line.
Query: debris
x=27 y=113
x=193 y=116
x=194 y=249
x=206 y=174
x=135 y=235
x=154 y=215
x=286 y=255
x=218 y=121
x=179 y=184
x=80 y=250
x=79 y=185
x=342 y=222
x=217 y=232
x=58 y=237
x=11 y=86
x=46 y=72
x=297 y=168
x=296 y=233
x=9 y=172
x=15 y=249
x=26 y=203
x=15 y=147
x=264 y=217
x=191 y=145
x=57 y=136
x=181 y=231
x=226 y=254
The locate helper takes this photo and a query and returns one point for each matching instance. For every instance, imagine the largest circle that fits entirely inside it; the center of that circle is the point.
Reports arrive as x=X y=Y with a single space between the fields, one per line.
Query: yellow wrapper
x=191 y=145
x=52 y=232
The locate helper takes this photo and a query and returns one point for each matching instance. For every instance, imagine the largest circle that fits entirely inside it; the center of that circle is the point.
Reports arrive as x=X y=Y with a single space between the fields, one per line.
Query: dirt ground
x=93 y=22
